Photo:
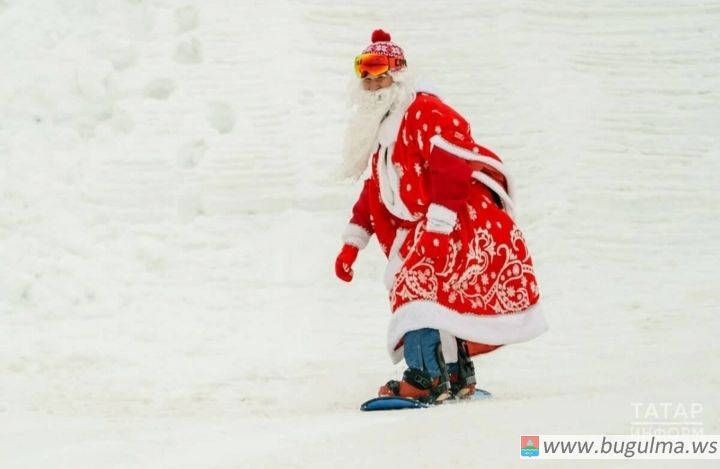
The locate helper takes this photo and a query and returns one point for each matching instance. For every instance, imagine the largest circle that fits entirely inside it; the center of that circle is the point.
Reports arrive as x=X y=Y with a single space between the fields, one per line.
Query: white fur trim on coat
x=395 y=262
x=449 y=347
x=440 y=219
x=389 y=182
x=498 y=329
x=493 y=185
x=356 y=235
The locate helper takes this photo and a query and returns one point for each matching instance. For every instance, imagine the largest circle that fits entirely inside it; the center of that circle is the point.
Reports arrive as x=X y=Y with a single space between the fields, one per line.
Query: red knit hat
x=382 y=45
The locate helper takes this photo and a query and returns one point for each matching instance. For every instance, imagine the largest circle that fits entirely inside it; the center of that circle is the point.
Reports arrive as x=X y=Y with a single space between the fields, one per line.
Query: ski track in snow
x=169 y=221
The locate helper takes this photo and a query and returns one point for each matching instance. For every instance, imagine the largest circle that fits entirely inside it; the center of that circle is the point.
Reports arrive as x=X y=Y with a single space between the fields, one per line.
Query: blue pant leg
x=430 y=342
x=420 y=350
x=412 y=350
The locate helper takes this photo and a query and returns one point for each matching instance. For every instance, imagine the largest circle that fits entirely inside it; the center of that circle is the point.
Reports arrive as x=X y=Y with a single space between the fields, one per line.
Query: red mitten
x=344 y=262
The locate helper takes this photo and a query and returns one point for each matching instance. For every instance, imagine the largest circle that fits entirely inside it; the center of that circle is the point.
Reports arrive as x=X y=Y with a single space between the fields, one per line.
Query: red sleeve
x=361 y=210
x=450 y=176
x=450 y=179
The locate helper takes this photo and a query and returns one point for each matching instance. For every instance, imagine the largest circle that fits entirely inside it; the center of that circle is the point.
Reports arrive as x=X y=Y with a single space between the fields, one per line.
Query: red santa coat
x=427 y=169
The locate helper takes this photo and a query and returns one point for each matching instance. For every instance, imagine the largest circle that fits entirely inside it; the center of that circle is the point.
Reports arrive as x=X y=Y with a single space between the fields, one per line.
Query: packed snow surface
x=169 y=222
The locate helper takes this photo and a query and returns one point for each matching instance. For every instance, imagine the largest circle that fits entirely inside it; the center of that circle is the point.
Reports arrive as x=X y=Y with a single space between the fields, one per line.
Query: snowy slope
x=169 y=221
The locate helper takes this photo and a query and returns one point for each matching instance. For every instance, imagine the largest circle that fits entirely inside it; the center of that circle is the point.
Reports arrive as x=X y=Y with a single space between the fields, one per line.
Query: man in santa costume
x=459 y=273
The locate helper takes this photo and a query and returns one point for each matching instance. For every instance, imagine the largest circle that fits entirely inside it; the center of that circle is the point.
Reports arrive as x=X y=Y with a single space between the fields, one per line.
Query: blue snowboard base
x=397 y=403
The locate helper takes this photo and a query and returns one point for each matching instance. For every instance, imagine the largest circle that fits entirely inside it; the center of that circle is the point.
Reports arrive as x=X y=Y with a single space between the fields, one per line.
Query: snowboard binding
x=417 y=384
x=462 y=374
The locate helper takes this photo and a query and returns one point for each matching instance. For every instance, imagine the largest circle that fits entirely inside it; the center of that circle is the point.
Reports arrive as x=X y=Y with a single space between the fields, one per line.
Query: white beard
x=371 y=109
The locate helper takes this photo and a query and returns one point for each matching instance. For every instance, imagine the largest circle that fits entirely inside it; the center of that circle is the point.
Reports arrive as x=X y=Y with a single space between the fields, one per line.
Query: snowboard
x=398 y=403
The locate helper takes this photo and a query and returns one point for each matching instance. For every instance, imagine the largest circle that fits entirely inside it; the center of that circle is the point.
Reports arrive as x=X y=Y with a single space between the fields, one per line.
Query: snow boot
x=417 y=384
x=427 y=377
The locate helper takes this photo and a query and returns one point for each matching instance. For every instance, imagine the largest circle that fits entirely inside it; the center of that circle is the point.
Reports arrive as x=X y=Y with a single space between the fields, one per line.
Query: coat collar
x=390 y=126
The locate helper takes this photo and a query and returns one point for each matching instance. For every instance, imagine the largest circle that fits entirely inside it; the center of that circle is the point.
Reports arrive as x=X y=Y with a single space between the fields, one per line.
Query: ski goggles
x=376 y=64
